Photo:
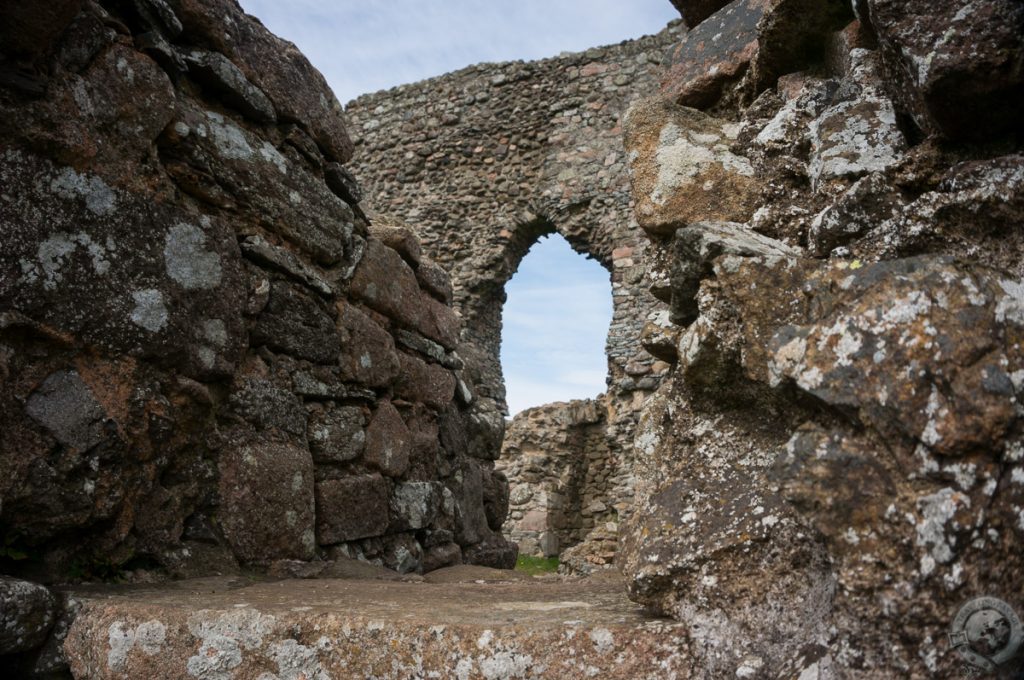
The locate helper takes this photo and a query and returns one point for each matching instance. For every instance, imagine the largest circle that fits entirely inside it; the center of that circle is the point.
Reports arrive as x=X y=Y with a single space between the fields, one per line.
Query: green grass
x=534 y=566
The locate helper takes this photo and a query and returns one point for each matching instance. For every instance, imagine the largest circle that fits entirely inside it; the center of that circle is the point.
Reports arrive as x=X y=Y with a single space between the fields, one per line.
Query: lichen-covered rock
x=753 y=40
x=27 y=612
x=914 y=360
x=266 y=494
x=297 y=90
x=348 y=628
x=857 y=133
x=953 y=65
x=682 y=169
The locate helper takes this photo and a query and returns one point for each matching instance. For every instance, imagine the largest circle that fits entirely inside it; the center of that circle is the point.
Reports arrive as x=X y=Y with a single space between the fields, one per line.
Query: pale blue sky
x=555 y=325
x=559 y=304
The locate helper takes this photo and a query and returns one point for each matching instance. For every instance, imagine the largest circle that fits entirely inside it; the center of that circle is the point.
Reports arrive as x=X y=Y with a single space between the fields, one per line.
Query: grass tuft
x=534 y=566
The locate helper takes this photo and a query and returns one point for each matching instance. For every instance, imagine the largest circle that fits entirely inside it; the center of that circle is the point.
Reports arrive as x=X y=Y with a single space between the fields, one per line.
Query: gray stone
x=696 y=248
x=27 y=612
x=294 y=323
x=267 y=406
x=336 y=435
x=414 y=505
x=66 y=407
x=257 y=249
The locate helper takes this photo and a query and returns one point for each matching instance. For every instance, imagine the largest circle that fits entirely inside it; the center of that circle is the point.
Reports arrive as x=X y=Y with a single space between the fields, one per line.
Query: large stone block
x=351 y=508
x=430 y=384
x=682 y=169
x=388 y=441
x=955 y=66
x=367 y=350
x=336 y=434
x=27 y=612
x=296 y=324
x=266 y=494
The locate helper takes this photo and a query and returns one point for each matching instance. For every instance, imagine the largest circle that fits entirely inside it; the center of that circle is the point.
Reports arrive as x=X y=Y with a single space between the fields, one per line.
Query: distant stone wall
x=484 y=161
x=559 y=460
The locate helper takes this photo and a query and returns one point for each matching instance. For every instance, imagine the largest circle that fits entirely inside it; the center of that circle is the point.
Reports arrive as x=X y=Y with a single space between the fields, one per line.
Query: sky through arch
x=554 y=326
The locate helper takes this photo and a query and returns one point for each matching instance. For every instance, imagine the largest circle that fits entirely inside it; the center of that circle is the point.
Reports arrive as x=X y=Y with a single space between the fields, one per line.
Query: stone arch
x=482 y=162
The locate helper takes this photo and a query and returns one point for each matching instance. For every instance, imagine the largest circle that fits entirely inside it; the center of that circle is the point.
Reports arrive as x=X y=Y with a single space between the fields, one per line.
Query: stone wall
x=834 y=465
x=559 y=465
x=207 y=357
x=484 y=161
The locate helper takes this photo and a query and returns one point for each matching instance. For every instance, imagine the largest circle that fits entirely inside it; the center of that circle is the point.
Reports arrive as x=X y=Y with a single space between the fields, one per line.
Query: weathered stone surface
x=266 y=495
x=351 y=508
x=27 y=612
x=432 y=384
x=494 y=551
x=368 y=352
x=696 y=11
x=216 y=72
x=402 y=240
x=266 y=406
x=150 y=294
x=298 y=91
x=387 y=284
x=223 y=163
x=757 y=40
x=414 y=505
x=682 y=170
x=296 y=324
x=526 y=629
x=953 y=65
x=388 y=441
x=857 y=134
x=435 y=280
x=336 y=435
x=698 y=245
x=784 y=491
x=260 y=251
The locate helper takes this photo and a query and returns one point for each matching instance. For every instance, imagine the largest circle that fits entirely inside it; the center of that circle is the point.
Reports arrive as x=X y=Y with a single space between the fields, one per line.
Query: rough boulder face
x=205 y=351
x=834 y=466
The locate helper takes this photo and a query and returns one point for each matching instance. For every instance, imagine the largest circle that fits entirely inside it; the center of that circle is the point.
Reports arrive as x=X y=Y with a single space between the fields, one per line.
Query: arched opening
x=554 y=324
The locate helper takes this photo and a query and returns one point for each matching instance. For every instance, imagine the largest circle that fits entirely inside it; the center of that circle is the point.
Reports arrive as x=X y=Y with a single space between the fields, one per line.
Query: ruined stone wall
x=483 y=161
x=833 y=467
x=206 y=358
x=559 y=465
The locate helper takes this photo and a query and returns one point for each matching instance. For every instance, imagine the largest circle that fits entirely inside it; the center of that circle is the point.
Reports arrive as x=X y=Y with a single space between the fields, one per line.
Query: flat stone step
x=220 y=629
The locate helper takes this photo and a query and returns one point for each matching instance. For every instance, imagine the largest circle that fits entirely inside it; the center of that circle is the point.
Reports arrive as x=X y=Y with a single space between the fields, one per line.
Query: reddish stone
x=367 y=351
x=388 y=441
x=387 y=284
x=266 y=493
x=428 y=383
x=765 y=37
x=955 y=66
x=351 y=508
x=298 y=91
